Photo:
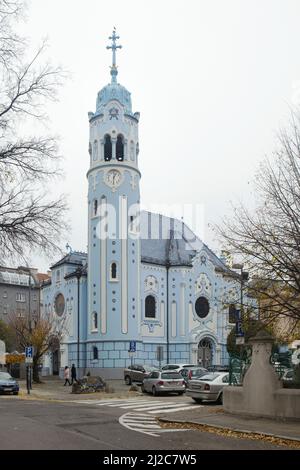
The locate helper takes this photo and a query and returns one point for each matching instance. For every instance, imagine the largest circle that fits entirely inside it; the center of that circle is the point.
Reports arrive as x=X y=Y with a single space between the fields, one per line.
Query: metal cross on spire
x=114 y=47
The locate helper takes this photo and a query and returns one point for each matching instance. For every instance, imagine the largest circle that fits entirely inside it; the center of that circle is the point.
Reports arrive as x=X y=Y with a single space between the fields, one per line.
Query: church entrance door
x=205 y=353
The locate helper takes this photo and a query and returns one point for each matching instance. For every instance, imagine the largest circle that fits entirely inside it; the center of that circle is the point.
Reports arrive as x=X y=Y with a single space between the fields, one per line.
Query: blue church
x=148 y=289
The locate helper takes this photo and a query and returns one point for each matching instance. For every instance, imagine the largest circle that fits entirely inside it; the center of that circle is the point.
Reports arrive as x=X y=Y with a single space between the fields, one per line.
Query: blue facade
x=146 y=277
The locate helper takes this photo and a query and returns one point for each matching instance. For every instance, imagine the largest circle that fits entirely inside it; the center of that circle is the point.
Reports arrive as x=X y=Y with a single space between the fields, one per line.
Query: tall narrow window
x=94 y=321
x=95 y=353
x=150 y=306
x=113 y=271
x=107 y=148
x=95 y=208
x=120 y=148
x=232 y=313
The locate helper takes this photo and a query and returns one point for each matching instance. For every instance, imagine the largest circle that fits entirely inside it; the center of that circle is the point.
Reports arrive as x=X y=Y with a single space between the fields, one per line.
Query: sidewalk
x=53 y=388
x=218 y=419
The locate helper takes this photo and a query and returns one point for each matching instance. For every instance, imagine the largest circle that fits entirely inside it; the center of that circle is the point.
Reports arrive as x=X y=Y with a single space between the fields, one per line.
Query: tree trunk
x=35 y=371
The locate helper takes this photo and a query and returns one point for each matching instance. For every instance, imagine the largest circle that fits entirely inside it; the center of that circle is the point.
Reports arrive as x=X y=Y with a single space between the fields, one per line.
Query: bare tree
x=42 y=334
x=268 y=238
x=29 y=219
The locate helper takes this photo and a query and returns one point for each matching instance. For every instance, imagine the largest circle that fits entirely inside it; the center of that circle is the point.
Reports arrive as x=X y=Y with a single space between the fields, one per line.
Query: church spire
x=114 y=47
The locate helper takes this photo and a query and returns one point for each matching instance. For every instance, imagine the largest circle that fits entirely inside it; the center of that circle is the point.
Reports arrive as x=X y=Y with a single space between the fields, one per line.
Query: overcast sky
x=213 y=81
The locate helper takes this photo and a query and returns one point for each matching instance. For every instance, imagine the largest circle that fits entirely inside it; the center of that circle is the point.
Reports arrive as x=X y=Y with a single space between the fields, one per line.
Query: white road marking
x=183 y=408
x=144 y=424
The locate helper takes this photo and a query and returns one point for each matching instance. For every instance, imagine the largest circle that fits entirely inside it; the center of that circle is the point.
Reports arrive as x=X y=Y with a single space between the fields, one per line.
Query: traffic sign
x=28 y=360
x=238 y=329
x=29 y=352
x=132 y=346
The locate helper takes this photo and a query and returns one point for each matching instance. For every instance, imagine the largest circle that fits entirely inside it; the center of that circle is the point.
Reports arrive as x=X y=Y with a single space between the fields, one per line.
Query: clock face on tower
x=113 y=178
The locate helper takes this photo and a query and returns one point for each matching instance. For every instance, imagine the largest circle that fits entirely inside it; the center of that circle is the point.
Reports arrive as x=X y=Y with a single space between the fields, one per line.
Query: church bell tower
x=113 y=218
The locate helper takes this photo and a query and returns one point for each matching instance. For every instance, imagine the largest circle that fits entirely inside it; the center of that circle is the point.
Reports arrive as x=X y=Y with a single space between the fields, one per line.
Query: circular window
x=202 y=307
x=59 y=305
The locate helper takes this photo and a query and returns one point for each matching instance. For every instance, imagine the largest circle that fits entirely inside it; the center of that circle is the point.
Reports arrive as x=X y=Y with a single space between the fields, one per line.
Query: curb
x=226 y=428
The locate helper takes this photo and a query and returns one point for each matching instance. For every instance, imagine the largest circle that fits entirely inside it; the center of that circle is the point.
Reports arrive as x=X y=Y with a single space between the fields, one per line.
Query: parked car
x=163 y=381
x=209 y=387
x=177 y=367
x=190 y=373
x=8 y=384
x=137 y=373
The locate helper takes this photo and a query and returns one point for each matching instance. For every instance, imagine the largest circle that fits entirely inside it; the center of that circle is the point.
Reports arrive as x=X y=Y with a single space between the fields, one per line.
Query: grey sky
x=213 y=81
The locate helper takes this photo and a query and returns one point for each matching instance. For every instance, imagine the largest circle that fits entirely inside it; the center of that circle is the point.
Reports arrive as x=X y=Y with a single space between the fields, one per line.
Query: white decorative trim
x=124 y=275
x=103 y=290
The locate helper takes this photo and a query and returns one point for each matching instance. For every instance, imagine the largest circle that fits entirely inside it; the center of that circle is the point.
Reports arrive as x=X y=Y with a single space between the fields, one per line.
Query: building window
x=120 y=148
x=150 y=306
x=59 y=305
x=58 y=275
x=232 y=313
x=113 y=271
x=94 y=321
x=34 y=297
x=20 y=297
x=202 y=307
x=95 y=353
x=107 y=148
x=95 y=207
x=5 y=294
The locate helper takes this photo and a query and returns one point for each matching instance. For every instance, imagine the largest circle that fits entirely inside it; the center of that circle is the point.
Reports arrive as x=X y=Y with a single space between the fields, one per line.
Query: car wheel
x=197 y=400
x=154 y=392
x=180 y=393
x=127 y=380
x=143 y=388
x=220 y=399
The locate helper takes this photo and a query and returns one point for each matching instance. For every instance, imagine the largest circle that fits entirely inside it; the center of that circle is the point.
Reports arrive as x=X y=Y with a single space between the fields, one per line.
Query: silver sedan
x=163 y=382
x=209 y=387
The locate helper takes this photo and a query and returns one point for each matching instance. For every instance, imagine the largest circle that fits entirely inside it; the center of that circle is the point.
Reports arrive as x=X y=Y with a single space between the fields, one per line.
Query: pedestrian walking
x=73 y=374
x=67 y=376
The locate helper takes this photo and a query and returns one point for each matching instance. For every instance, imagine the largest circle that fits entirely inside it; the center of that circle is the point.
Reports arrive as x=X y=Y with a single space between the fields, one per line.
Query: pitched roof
x=75 y=257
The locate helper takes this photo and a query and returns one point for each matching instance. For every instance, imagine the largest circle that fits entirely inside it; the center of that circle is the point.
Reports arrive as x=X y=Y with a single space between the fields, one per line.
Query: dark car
x=137 y=373
x=8 y=384
x=190 y=373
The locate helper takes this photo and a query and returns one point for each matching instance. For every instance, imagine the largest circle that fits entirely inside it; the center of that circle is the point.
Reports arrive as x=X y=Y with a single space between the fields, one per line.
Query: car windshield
x=171 y=375
x=149 y=368
x=5 y=376
x=210 y=377
x=198 y=372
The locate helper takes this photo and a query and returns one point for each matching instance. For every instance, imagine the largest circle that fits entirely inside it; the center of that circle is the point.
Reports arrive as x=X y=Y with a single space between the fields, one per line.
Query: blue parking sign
x=29 y=351
x=132 y=346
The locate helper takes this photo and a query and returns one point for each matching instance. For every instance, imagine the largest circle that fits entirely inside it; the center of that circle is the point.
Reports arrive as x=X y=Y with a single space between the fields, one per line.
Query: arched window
x=113 y=271
x=137 y=150
x=120 y=148
x=202 y=307
x=95 y=208
x=95 y=353
x=94 y=321
x=95 y=151
x=107 y=148
x=150 y=306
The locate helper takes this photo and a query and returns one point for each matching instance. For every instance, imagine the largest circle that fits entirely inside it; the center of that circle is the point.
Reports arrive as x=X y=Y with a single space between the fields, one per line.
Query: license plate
x=6 y=389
